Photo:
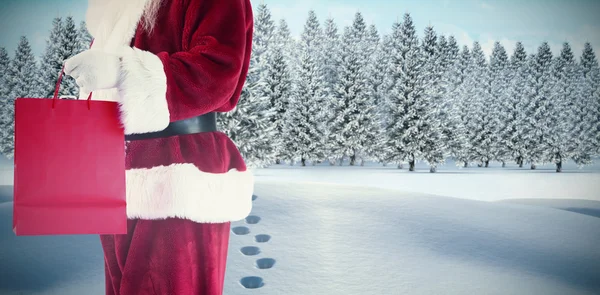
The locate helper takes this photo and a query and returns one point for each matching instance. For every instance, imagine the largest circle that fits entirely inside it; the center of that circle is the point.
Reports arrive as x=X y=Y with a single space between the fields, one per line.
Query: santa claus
x=171 y=65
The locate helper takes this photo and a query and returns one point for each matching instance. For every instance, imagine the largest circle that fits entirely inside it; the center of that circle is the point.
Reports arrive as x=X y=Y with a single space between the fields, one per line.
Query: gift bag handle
x=60 y=76
x=58 y=87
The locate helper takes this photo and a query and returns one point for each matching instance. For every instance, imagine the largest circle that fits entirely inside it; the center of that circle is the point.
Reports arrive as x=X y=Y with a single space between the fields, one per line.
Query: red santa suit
x=183 y=190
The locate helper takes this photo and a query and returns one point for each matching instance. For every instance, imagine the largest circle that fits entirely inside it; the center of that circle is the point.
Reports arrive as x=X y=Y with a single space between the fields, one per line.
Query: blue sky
x=486 y=21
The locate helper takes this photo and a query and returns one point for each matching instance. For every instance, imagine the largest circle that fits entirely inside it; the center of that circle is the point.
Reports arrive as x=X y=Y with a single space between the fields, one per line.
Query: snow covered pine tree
x=279 y=86
x=52 y=60
x=304 y=122
x=459 y=73
x=475 y=97
x=68 y=47
x=5 y=119
x=22 y=77
x=393 y=109
x=288 y=48
x=354 y=126
x=480 y=125
x=250 y=125
x=564 y=71
x=588 y=108
x=84 y=38
x=497 y=117
x=429 y=137
x=406 y=92
x=539 y=88
x=378 y=71
x=514 y=106
x=331 y=65
x=448 y=50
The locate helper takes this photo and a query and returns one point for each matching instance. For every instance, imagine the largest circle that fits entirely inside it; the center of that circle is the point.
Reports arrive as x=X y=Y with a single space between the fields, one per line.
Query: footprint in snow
x=252 y=219
x=252 y=282
x=265 y=263
x=250 y=250
x=240 y=230
x=262 y=238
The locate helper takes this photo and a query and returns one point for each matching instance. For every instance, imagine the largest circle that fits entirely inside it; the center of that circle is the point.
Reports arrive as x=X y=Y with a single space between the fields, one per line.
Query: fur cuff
x=142 y=92
x=183 y=191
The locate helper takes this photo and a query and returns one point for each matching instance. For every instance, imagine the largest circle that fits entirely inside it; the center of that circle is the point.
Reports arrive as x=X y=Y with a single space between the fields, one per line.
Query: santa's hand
x=94 y=69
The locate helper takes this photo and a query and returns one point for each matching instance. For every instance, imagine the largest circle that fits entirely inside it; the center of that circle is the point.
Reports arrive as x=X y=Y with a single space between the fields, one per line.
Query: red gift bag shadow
x=69 y=167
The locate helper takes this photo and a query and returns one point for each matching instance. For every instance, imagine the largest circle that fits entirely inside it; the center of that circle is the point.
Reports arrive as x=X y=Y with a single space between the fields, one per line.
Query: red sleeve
x=209 y=76
x=206 y=76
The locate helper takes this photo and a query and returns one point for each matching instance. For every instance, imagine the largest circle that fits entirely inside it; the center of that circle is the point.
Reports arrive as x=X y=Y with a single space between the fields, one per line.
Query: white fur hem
x=183 y=191
x=142 y=91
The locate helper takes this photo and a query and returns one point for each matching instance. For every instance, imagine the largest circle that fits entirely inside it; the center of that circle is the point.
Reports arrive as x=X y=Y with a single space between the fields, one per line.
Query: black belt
x=203 y=123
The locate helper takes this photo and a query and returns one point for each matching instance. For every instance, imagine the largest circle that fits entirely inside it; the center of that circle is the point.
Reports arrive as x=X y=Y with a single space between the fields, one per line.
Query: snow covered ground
x=485 y=184
x=351 y=240
x=345 y=230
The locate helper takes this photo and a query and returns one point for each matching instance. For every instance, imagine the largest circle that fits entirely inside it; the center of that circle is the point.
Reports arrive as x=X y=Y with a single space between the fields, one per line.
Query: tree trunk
x=277 y=161
x=332 y=162
x=520 y=161
x=352 y=160
x=559 y=166
x=341 y=161
x=432 y=169
x=503 y=164
x=362 y=162
x=411 y=165
x=466 y=165
x=400 y=166
x=487 y=163
x=480 y=165
x=303 y=162
x=532 y=166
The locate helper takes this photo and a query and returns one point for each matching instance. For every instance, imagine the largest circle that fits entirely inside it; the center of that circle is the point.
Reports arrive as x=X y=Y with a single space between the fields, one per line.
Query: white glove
x=94 y=69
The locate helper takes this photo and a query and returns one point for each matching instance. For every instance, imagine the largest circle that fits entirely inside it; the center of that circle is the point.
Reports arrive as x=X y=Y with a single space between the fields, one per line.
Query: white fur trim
x=142 y=92
x=183 y=191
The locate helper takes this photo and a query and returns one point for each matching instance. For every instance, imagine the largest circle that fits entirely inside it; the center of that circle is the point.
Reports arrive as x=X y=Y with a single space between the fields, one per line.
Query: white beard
x=112 y=23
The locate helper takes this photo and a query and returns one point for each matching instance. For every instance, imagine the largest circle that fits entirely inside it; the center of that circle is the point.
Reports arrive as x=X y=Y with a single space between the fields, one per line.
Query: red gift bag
x=69 y=175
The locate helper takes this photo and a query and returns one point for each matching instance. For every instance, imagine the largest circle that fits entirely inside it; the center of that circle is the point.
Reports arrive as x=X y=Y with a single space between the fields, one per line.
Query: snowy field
x=370 y=230
x=486 y=184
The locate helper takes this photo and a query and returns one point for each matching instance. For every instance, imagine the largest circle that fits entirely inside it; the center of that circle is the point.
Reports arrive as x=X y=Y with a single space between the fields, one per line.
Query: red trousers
x=166 y=257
